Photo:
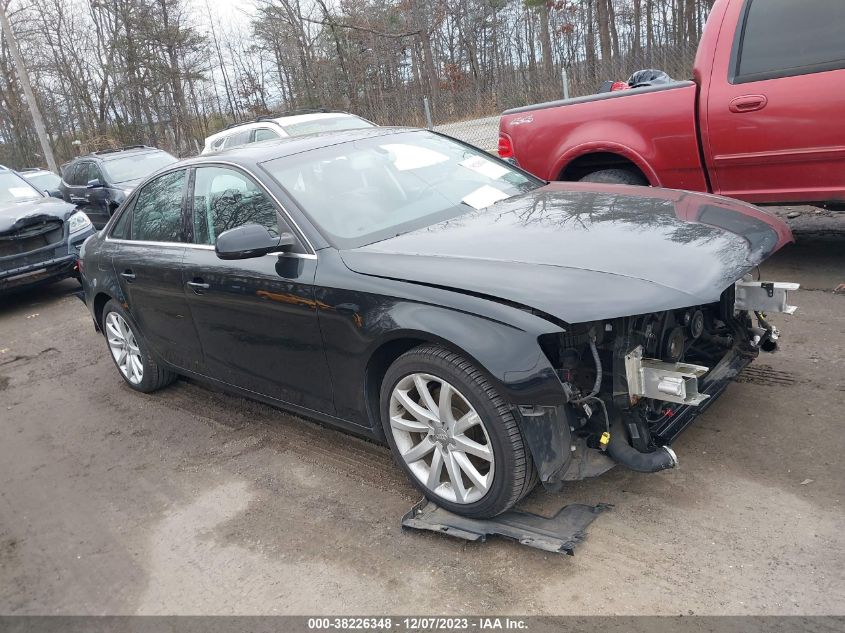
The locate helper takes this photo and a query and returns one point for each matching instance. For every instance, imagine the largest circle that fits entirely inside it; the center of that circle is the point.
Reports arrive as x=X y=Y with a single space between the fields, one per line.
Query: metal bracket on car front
x=672 y=382
x=764 y=296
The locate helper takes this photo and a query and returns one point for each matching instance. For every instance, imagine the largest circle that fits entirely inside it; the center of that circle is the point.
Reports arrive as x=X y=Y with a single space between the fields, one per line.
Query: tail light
x=79 y=266
x=505 y=146
x=619 y=85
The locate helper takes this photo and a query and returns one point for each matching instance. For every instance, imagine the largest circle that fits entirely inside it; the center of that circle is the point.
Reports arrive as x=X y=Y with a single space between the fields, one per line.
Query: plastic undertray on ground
x=560 y=533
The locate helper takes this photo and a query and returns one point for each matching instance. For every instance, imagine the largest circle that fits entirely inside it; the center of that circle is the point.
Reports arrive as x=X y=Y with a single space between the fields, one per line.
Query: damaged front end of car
x=40 y=242
x=632 y=384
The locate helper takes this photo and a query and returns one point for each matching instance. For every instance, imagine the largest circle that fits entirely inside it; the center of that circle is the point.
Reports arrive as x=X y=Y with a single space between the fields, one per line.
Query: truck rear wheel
x=616 y=177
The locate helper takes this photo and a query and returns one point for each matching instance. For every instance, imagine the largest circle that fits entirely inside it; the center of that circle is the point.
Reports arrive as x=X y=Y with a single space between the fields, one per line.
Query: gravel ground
x=190 y=501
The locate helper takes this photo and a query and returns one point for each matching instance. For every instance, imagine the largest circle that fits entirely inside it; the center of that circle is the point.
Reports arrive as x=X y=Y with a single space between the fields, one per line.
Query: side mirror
x=54 y=193
x=94 y=184
x=251 y=240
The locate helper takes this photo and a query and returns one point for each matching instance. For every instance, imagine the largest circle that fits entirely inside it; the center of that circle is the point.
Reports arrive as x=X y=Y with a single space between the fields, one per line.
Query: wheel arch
x=391 y=348
x=100 y=301
x=511 y=360
x=581 y=161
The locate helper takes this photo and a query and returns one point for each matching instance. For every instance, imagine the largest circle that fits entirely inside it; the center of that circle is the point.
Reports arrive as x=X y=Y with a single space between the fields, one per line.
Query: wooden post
x=40 y=130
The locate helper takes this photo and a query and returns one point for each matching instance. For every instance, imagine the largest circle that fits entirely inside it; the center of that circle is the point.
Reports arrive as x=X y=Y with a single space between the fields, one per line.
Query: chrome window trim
x=201 y=247
x=300 y=233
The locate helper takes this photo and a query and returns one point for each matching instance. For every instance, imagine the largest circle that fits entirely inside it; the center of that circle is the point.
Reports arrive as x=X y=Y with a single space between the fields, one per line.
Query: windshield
x=45 y=181
x=13 y=188
x=136 y=166
x=326 y=124
x=371 y=189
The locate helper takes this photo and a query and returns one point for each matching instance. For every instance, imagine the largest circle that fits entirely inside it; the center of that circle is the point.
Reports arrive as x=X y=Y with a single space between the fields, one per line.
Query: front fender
x=361 y=316
x=509 y=356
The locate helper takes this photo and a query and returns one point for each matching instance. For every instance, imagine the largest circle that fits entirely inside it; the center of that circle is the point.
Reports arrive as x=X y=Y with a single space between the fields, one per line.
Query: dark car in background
x=40 y=236
x=492 y=328
x=98 y=183
x=44 y=180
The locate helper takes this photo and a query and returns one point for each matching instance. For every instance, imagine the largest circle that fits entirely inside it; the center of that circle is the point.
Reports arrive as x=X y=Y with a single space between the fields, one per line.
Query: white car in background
x=294 y=123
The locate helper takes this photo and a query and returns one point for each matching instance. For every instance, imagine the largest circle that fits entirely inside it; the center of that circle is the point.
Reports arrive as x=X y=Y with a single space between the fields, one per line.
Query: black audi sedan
x=40 y=236
x=492 y=328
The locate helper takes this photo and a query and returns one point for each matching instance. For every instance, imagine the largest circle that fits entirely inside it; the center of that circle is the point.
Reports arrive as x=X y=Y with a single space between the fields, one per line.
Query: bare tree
x=23 y=77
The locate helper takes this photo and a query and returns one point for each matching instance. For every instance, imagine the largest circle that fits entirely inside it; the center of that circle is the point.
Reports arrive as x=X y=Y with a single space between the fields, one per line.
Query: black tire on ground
x=514 y=474
x=154 y=376
x=616 y=176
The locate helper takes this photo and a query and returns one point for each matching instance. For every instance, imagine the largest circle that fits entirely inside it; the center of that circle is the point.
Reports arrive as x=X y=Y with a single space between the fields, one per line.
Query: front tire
x=130 y=352
x=453 y=435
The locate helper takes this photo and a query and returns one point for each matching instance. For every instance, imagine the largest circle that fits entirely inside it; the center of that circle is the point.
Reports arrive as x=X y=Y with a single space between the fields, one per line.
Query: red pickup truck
x=763 y=119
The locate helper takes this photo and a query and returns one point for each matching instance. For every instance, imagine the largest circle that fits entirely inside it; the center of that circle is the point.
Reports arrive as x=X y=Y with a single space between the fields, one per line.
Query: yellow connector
x=604 y=440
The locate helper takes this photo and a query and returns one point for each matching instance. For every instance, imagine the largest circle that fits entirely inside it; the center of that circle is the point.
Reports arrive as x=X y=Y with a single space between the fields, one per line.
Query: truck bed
x=654 y=127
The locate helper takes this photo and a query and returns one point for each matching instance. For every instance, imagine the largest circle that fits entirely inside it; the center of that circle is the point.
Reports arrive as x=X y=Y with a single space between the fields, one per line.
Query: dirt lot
x=190 y=501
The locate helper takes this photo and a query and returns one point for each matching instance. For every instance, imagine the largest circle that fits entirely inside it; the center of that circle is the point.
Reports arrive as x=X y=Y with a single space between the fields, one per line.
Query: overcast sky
x=232 y=14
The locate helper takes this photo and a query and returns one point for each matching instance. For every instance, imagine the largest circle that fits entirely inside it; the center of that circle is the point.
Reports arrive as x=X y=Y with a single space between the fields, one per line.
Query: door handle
x=128 y=275
x=198 y=286
x=747 y=103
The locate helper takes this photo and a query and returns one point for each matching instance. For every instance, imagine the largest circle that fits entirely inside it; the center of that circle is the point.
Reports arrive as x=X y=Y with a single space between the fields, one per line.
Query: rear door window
x=238 y=139
x=782 y=38
x=264 y=134
x=157 y=216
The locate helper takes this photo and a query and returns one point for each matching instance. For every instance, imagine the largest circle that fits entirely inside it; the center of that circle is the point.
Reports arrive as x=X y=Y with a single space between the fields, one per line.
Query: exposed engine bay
x=634 y=383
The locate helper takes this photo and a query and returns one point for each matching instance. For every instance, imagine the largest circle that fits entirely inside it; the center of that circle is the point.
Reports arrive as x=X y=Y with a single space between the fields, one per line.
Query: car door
x=77 y=181
x=147 y=259
x=98 y=196
x=256 y=318
x=775 y=130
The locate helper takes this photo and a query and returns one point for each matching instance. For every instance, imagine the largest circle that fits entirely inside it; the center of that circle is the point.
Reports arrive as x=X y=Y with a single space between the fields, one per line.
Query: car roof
x=278 y=148
x=288 y=118
x=34 y=171
x=108 y=154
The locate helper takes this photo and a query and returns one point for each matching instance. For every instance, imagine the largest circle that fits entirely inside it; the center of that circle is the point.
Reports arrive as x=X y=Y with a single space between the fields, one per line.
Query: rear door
x=256 y=318
x=775 y=130
x=147 y=259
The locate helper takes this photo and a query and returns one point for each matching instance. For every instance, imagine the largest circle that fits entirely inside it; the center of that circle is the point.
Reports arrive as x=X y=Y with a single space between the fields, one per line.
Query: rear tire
x=130 y=352
x=474 y=440
x=616 y=177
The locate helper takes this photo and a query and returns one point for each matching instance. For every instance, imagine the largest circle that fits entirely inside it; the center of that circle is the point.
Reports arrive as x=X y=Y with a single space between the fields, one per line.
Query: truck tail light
x=505 y=146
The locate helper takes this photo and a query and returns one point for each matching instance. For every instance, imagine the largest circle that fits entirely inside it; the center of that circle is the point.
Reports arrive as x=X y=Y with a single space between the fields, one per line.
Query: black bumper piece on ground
x=560 y=533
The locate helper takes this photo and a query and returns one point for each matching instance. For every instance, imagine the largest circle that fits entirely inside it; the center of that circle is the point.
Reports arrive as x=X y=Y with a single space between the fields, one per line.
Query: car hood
x=584 y=252
x=14 y=215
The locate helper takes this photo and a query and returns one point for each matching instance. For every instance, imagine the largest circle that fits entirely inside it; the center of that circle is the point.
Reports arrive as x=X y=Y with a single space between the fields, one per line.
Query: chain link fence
x=469 y=108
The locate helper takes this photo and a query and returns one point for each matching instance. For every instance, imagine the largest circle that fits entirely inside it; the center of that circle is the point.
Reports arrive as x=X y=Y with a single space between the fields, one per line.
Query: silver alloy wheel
x=442 y=438
x=124 y=348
